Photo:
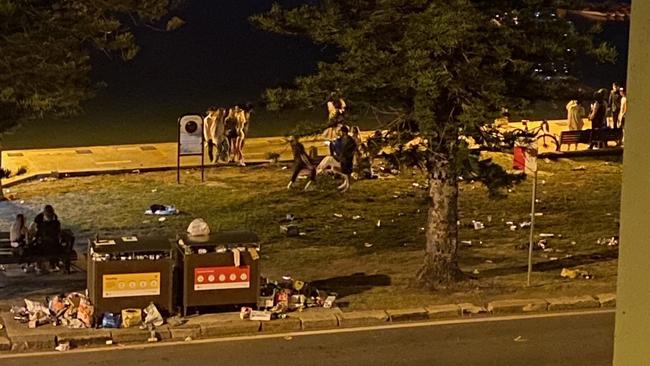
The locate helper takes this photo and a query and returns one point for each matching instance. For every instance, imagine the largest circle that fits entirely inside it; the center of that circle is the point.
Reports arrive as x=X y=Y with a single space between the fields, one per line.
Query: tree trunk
x=440 y=268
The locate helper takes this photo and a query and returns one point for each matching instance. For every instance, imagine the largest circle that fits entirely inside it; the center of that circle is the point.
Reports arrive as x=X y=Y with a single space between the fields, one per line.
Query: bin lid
x=221 y=238
x=131 y=244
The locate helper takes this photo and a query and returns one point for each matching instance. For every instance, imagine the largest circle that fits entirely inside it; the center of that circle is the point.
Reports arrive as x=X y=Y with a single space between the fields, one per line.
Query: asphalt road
x=577 y=339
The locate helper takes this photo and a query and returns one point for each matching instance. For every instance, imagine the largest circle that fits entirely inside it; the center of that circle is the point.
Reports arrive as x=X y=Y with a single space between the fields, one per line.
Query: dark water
x=218 y=58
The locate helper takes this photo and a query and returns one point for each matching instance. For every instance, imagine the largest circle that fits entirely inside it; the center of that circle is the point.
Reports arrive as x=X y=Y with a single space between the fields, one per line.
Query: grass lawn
x=579 y=205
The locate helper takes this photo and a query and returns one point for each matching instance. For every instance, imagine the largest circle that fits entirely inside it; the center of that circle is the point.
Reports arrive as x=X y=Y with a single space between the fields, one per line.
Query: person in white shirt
x=623 y=111
x=210 y=132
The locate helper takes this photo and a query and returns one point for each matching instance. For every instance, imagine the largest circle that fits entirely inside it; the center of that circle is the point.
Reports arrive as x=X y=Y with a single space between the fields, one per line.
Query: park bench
x=588 y=137
x=66 y=253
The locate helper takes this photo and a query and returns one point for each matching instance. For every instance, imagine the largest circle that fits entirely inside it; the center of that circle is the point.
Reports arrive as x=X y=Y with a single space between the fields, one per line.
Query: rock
x=363 y=318
x=443 y=311
x=569 y=303
x=607 y=300
x=517 y=306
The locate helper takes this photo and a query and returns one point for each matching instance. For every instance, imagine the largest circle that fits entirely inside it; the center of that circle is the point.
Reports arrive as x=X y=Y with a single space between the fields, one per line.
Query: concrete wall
x=633 y=298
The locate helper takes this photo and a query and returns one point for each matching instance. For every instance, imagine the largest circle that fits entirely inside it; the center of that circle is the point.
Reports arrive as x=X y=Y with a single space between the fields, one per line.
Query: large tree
x=443 y=69
x=46 y=48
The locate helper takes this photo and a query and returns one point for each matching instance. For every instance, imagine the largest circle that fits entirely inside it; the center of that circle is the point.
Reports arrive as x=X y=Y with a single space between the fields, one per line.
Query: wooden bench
x=601 y=136
x=66 y=254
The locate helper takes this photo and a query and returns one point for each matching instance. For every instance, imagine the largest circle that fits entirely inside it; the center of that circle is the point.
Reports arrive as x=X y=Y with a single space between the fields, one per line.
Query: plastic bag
x=131 y=318
x=111 y=320
x=153 y=316
x=198 y=227
x=85 y=312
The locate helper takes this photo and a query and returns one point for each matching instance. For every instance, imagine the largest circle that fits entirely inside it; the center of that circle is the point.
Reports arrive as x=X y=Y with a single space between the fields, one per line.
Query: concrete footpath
x=18 y=337
x=89 y=160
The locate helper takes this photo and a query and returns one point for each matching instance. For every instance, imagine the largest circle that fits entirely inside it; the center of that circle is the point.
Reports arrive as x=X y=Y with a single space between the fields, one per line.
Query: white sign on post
x=190 y=139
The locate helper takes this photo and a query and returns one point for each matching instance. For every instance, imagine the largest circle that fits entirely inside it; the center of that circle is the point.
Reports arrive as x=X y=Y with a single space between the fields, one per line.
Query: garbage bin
x=218 y=269
x=130 y=272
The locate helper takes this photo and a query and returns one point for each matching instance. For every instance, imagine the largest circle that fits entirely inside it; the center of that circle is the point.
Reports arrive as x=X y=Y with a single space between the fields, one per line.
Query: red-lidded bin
x=222 y=268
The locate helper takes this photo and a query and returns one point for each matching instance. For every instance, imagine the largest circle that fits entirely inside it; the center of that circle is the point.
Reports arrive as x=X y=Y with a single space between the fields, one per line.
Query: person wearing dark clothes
x=47 y=238
x=301 y=161
x=598 y=115
x=614 y=104
x=345 y=150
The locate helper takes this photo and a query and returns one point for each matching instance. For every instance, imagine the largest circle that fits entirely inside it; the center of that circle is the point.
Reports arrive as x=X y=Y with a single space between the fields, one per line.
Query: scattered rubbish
x=422 y=229
x=329 y=302
x=568 y=256
x=475 y=271
x=537 y=200
x=356 y=217
x=400 y=214
x=538 y=214
x=290 y=217
x=416 y=185
x=290 y=230
x=109 y=342
x=548 y=250
x=62 y=347
x=152 y=337
x=579 y=168
x=288 y=338
x=131 y=318
x=22 y=202
x=2 y=327
x=154 y=190
x=513 y=227
x=378 y=223
x=547 y=160
x=338 y=215
x=161 y=210
x=520 y=339
x=488 y=261
x=546 y=235
x=467 y=242
x=162 y=219
x=509 y=223
x=188 y=339
x=260 y=315
x=302 y=233
x=152 y=316
x=135 y=171
x=198 y=227
x=543 y=182
x=553 y=258
x=110 y=320
x=608 y=214
x=573 y=243
x=489 y=218
x=575 y=273
x=354 y=233
x=610 y=242
x=524 y=224
x=368 y=245
x=478 y=225
x=542 y=244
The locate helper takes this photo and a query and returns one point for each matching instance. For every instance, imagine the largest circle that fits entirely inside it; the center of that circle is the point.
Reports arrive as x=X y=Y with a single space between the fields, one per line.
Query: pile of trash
x=575 y=273
x=147 y=318
x=71 y=311
x=279 y=298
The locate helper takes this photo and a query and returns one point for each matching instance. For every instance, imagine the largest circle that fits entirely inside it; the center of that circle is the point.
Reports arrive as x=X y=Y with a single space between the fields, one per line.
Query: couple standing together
x=226 y=129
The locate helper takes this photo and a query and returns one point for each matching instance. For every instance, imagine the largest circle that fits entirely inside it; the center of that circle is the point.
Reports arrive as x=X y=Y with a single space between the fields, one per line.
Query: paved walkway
x=124 y=158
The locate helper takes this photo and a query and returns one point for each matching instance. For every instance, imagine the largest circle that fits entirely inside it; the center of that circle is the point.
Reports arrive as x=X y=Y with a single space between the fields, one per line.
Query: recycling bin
x=131 y=272
x=218 y=269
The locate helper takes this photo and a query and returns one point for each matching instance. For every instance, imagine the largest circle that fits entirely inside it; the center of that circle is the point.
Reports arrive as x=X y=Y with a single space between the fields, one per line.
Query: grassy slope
x=580 y=205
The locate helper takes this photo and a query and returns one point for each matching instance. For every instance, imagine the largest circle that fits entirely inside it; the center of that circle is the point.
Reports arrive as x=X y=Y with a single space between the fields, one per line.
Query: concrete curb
x=20 y=338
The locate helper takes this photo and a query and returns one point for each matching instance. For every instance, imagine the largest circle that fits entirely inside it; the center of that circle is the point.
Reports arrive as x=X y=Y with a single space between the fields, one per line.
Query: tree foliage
x=46 y=48
x=440 y=71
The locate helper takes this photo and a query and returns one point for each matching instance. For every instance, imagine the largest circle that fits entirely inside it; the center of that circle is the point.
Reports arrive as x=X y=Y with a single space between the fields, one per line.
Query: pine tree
x=443 y=69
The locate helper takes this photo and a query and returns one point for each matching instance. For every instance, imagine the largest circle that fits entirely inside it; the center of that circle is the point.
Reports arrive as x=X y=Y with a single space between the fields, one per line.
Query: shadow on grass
x=576 y=260
x=352 y=284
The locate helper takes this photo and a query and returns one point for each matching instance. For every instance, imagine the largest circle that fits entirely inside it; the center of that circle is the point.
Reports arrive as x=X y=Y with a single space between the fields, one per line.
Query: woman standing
x=18 y=238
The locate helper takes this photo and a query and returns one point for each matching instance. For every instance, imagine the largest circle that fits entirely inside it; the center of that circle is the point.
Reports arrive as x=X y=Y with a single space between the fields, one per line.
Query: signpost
x=190 y=141
x=525 y=158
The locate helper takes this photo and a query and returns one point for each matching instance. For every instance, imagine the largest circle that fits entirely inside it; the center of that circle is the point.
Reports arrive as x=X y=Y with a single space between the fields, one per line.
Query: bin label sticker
x=131 y=284
x=220 y=278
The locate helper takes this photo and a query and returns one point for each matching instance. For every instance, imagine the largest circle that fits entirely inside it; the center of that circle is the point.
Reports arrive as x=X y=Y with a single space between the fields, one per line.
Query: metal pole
x=532 y=229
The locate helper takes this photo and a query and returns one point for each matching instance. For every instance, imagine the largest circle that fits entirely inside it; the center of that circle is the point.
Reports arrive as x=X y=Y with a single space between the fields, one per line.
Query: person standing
x=623 y=112
x=301 y=161
x=345 y=151
x=210 y=132
x=614 y=104
x=335 y=116
x=598 y=117
x=575 y=115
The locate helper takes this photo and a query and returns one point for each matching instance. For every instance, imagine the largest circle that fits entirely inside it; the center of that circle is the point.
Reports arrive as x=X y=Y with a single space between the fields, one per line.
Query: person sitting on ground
x=47 y=235
x=301 y=161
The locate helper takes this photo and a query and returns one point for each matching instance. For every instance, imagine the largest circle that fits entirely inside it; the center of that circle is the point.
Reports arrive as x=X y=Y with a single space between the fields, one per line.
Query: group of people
x=608 y=110
x=42 y=237
x=225 y=130
x=347 y=150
